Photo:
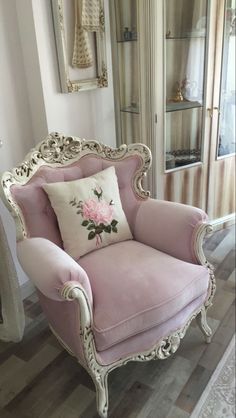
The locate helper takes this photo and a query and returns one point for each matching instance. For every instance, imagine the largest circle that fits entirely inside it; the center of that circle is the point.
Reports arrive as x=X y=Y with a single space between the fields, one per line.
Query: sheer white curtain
x=12 y=319
x=195 y=62
x=227 y=100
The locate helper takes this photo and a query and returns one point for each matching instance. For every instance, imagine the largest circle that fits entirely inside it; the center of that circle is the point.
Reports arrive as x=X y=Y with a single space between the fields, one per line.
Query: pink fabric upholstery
x=146 y=340
x=64 y=318
x=136 y=288
x=49 y=267
x=38 y=214
x=169 y=227
x=140 y=291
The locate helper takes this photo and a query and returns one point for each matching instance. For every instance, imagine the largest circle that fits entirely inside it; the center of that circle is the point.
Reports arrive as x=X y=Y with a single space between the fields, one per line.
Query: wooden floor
x=38 y=379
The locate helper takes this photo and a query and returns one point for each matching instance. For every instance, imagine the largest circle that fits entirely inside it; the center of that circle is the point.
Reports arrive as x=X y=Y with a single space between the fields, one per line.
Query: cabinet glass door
x=128 y=63
x=226 y=128
x=186 y=23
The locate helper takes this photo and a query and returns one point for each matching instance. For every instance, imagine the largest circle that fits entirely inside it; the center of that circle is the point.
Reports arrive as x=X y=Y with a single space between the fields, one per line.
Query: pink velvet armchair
x=129 y=301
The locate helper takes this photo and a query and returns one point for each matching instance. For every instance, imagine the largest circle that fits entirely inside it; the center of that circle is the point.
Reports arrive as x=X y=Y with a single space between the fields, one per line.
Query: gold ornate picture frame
x=74 y=79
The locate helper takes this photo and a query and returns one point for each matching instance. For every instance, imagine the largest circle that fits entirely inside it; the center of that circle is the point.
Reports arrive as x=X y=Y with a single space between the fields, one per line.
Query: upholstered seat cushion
x=136 y=287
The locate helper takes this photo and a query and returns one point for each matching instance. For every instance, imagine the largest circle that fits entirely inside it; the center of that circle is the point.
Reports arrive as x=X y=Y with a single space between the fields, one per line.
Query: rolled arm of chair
x=173 y=228
x=51 y=269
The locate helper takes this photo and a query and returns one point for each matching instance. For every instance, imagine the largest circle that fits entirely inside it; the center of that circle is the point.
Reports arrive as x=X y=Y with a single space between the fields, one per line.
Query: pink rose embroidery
x=99 y=212
x=97 y=215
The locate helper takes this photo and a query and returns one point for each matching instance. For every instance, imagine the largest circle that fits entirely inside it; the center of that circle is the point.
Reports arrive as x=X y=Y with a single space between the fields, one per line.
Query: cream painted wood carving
x=162 y=350
x=58 y=150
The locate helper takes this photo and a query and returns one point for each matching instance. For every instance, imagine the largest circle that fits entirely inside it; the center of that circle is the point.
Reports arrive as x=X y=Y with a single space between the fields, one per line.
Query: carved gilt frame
x=67 y=84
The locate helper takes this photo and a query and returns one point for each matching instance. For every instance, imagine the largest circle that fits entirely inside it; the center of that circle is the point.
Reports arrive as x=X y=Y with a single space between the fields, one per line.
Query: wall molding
x=223 y=222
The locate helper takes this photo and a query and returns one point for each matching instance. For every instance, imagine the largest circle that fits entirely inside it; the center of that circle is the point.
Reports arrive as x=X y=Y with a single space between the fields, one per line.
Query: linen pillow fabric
x=89 y=212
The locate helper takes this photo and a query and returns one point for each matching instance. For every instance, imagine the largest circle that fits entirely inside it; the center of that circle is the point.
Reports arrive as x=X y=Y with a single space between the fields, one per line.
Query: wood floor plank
x=119 y=382
x=132 y=402
x=150 y=373
x=168 y=388
x=76 y=403
x=220 y=341
x=222 y=302
x=8 y=349
x=176 y=412
x=225 y=246
x=193 y=345
x=11 y=387
x=34 y=310
x=193 y=389
x=213 y=240
x=10 y=367
x=6 y=414
x=26 y=352
x=230 y=284
x=225 y=269
x=55 y=397
x=37 y=389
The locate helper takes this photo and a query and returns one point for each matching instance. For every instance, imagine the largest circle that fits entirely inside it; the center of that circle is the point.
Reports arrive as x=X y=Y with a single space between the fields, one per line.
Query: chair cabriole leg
x=203 y=325
x=102 y=394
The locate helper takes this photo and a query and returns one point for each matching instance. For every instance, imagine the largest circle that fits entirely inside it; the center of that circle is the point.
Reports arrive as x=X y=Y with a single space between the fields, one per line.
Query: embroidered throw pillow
x=89 y=212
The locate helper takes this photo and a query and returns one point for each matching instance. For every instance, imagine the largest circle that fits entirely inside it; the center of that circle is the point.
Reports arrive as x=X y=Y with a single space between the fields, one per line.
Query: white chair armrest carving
x=173 y=228
x=50 y=268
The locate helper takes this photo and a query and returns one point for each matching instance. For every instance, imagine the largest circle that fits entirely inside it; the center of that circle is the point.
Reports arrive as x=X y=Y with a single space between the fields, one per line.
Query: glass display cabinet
x=127 y=79
x=226 y=122
x=186 y=30
x=174 y=89
x=221 y=185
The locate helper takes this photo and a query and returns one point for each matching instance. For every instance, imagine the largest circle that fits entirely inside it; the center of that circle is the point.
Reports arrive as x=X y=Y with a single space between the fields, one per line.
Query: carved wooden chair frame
x=56 y=151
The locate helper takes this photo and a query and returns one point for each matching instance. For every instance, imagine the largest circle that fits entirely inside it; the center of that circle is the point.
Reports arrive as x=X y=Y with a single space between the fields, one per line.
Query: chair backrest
x=62 y=158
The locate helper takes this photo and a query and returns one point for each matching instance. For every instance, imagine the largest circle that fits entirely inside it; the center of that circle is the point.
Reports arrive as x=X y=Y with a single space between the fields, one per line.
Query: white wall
x=32 y=69
x=15 y=120
x=88 y=114
x=31 y=104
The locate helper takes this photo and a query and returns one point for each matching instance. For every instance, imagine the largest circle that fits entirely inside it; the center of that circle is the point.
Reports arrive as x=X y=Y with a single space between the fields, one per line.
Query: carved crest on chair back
x=58 y=150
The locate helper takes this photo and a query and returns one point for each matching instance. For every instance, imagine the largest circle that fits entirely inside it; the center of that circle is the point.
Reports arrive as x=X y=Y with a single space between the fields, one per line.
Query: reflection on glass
x=130 y=127
x=126 y=18
x=183 y=137
x=129 y=75
x=227 y=94
x=186 y=28
x=1 y=317
x=185 y=18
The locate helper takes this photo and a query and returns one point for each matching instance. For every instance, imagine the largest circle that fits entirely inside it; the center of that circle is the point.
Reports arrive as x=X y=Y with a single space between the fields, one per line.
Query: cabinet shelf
x=177 y=38
x=130 y=109
x=178 y=106
x=123 y=41
x=181 y=158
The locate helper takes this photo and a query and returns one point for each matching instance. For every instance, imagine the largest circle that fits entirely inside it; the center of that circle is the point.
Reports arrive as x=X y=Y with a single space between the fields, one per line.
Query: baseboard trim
x=27 y=289
x=224 y=222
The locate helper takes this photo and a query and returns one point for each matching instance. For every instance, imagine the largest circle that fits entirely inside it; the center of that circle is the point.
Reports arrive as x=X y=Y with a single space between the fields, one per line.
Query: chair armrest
x=171 y=227
x=50 y=268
